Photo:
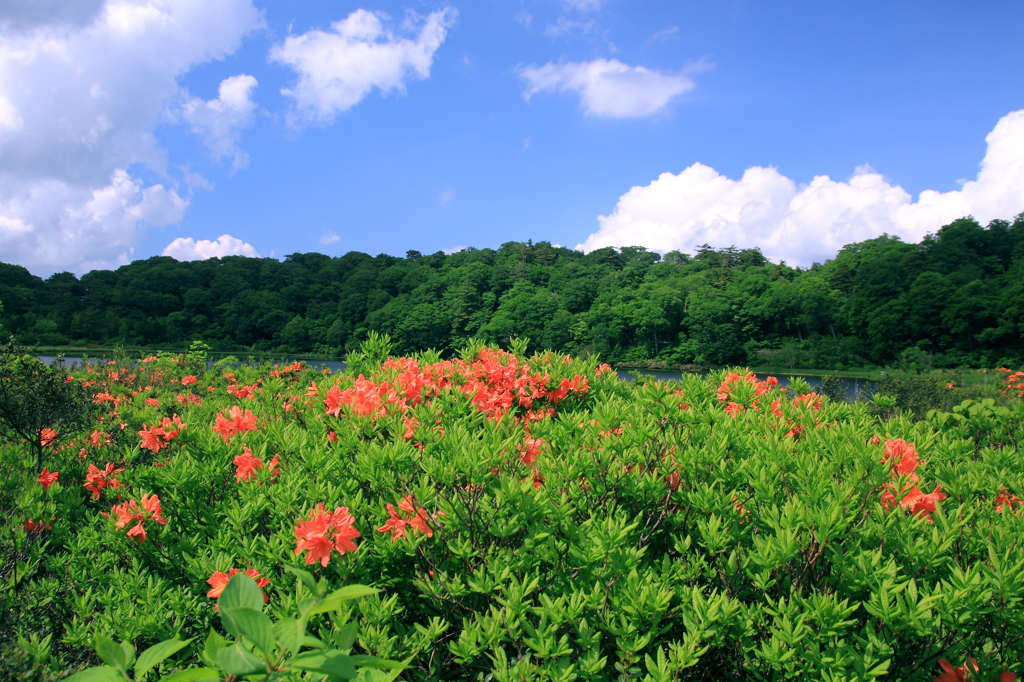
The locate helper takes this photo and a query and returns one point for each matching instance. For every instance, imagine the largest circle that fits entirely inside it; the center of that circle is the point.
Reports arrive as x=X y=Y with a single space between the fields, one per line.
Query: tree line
x=955 y=299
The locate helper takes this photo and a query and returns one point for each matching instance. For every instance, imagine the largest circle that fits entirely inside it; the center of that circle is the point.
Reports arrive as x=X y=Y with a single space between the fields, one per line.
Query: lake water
x=856 y=388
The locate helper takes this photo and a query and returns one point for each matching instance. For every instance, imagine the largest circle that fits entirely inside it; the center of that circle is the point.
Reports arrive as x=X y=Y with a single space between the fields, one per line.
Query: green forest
x=954 y=300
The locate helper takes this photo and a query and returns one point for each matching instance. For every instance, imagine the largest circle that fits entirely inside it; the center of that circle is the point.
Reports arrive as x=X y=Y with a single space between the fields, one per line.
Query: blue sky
x=130 y=129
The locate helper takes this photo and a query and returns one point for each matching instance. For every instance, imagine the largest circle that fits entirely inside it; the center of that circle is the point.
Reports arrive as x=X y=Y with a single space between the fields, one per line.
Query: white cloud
x=803 y=224
x=220 y=121
x=338 y=68
x=454 y=249
x=608 y=87
x=82 y=89
x=88 y=228
x=663 y=35
x=186 y=248
x=329 y=238
x=564 y=26
x=445 y=197
x=585 y=5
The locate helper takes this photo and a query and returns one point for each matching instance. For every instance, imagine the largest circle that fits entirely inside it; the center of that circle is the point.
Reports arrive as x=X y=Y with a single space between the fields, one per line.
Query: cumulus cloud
x=338 y=68
x=81 y=92
x=445 y=197
x=585 y=5
x=186 y=248
x=329 y=238
x=607 y=87
x=220 y=121
x=803 y=224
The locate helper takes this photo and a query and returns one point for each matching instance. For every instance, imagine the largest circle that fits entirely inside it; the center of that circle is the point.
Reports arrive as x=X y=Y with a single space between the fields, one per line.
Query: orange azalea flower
x=248 y=465
x=47 y=437
x=238 y=422
x=98 y=479
x=812 y=399
x=130 y=511
x=312 y=391
x=961 y=674
x=152 y=402
x=733 y=409
x=48 y=478
x=219 y=580
x=410 y=427
x=903 y=457
x=1006 y=499
x=151 y=438
x=531 y=448
x=921 y=504
x=416 y=518
x=31 y=526
x=325 y=532
x=190 y=379
x=394 y=525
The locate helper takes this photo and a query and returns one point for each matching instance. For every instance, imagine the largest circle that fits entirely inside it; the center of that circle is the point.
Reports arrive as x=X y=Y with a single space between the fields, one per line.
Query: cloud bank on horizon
x=809 y=223
x=186 y=248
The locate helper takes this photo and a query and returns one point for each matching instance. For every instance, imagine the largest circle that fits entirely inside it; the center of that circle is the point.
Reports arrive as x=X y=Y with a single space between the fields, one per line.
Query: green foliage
x=699 y=529
x=918 y=392
x=259 y=645
x=954 y=300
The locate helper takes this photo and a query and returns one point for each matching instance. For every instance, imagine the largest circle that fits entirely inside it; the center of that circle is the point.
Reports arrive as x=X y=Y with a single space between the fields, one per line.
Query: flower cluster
x=1006 y=500
x=733 y=380
x=903 y=459
x=97 y=479
x=148 y=509
x=248 y=464
x=32 y=526
x=236 y=422
x=413 y=517
x=495 y=382
x=47 y=437
x=219 y=580
x=1013 y=382
x=325 y=532
x=157 y=437
x=48 y=478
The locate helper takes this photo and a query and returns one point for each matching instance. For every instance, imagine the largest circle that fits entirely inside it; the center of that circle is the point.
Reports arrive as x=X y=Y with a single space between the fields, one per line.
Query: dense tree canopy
x=958 y=296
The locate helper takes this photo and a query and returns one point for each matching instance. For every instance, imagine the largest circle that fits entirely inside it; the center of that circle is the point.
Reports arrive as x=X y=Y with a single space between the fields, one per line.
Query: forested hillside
x=958 y=297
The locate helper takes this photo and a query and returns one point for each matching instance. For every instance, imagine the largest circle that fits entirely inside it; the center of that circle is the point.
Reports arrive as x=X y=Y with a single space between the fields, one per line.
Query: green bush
x=522 y=519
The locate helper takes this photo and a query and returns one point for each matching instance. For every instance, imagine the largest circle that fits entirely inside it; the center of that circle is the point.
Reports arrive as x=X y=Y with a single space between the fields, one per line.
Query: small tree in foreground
x=38 y=404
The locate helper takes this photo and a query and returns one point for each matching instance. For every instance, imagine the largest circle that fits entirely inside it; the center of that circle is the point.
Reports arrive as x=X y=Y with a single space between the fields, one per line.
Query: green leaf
x=111 y=653
x=239 y=661
x=305 y=576
x=330 y=662
x=345 y=637
x=241 y=593
x=374 y=662
x=333 y=601
x=192 y=675
x=214 y=643
x=289 y=633
x=101 y=673
x=129 y=653
x=156 y=653
x=250 y=624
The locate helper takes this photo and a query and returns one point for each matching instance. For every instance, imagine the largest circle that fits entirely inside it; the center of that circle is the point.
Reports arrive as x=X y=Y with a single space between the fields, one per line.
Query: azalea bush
x=520 y=518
